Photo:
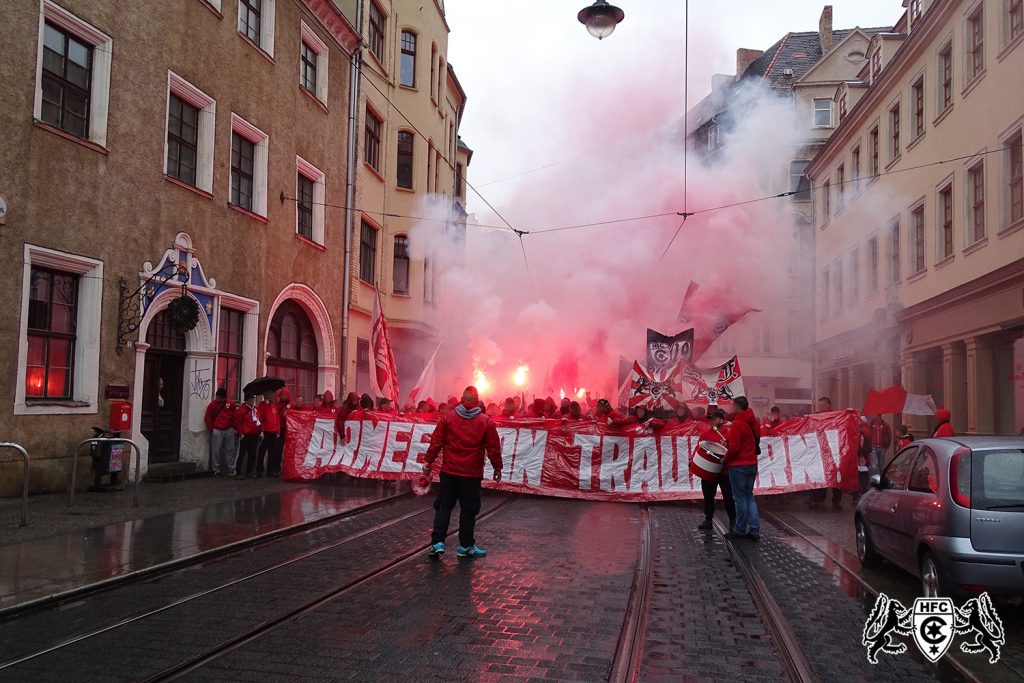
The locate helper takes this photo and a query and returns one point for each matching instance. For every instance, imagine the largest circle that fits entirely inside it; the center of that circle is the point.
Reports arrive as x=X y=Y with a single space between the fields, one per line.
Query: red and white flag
x=384 y=377
x=425 y=385
x=710 y=311
x=714 y=386
x=654 y=389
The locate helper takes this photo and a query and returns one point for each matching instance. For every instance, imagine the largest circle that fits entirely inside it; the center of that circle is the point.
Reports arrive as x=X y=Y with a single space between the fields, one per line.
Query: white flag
x=425 y=384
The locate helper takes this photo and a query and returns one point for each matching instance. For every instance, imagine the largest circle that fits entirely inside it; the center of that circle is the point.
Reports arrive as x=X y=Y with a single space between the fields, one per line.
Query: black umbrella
x=262 y=384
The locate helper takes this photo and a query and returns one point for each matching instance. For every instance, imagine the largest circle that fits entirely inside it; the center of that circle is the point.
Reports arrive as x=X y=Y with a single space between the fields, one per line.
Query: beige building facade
x=918 y=211
x=196 y=149
x=410 y=185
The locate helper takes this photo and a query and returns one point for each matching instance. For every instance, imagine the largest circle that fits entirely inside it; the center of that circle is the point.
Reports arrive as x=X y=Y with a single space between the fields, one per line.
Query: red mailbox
x=120 y=416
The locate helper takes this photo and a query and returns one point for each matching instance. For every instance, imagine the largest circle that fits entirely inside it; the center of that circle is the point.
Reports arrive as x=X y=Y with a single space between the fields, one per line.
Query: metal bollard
x=24 y=478
x=138 y=465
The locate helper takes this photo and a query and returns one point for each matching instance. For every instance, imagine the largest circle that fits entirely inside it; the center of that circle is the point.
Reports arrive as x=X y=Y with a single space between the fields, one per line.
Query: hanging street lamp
x=600 y=18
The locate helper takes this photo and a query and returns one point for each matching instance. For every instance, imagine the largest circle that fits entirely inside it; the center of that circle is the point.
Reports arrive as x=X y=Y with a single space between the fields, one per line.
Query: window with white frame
x=256 y=22
x=841 y=186
x=407 y=65
x=313 y=62
x=917 y=235
x=976 y=202
x=826 y=294
x=822 y=112
x=188 y=143
x=873 y=264
x=945 y=220
x=73 y=75
x=894 y=132
x=376 y=29
x=975 y=51
x=58 y=353
x=945 y=89
x=917 y=102
x=855 y=168
x=1014 y=20
x=894 y=251
x=249 y=155
x=854 y=291
x=837 y=277
x=400 y=266
x=310 y=193
x=826 y=201
x=1013 y=172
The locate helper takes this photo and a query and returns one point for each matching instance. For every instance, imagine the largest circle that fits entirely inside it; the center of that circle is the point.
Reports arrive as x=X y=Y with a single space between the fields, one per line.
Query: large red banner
x=577 y=460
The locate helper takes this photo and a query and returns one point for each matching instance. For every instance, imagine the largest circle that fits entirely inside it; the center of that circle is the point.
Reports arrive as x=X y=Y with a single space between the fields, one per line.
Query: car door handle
x=893 y=508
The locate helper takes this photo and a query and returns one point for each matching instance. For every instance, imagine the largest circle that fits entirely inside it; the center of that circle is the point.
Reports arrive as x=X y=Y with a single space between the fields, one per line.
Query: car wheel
x=866 y=552
x=933 y=580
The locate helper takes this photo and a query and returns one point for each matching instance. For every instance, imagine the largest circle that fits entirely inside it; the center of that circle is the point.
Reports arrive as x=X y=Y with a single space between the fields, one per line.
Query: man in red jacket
x=741 y=458
x=943 y=428
x=716 y=418
x=269 y=412
x=220 y=422
x=466 y=435
x=881 y=439
x=247 y=426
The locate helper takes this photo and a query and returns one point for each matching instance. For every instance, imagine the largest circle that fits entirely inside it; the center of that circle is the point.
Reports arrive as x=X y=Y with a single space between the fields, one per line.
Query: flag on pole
x=384 y=377
x=425 y=384
x=710 y=311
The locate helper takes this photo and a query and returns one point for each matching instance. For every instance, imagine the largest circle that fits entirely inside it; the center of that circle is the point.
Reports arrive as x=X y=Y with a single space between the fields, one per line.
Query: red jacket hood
x=943 y=414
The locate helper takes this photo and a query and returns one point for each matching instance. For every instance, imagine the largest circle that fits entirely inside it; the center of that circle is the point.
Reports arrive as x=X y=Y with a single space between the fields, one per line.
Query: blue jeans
x=742 y=480
x=877 y=459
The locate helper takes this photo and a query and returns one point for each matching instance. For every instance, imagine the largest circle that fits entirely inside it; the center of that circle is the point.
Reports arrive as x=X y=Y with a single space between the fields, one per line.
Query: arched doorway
x=162 y=389
x=292 y=350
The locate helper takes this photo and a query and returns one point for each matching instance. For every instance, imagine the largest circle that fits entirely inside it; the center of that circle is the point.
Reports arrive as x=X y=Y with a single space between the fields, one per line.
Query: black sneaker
x=705 y=525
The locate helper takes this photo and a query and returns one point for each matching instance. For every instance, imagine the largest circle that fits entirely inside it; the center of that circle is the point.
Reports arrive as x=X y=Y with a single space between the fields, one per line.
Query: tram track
x=628 y=652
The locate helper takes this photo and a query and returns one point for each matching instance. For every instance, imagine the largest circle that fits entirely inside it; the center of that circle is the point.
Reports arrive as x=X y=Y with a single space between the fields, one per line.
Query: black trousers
x=247 y=454
x=818 y=496
x=709 y=488
x=466 y=492
x=267 y=445
x=275 y=456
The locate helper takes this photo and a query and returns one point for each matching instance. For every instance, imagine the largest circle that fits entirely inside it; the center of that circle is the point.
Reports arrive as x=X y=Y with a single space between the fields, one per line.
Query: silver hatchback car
x=950 y=511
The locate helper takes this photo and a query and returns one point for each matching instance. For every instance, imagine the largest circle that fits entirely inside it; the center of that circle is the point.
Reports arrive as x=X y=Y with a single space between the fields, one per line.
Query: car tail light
x=960 y=476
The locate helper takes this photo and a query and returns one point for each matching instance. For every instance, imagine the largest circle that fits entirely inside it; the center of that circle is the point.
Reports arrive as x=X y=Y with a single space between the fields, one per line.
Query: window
x=838 y=279
x=976 y=43
x=256 y=22
x=313 y=63
x=826 y=201
x=712 y=136
x=876 y=63
x=873 y=144
x=293 y=351
x=401 y=265
x=855 y=168
x=898 y=470
x=407 y=71
x=73 y=80
x=894 y=251
x=376 y=31
x=310 y=194
x=428 y=280
x=433 y=72
x=924 y=478
x=915 y=11
x=188 y=151
x=826 y=294
x=229 y=352
x=842 y=107
x=1015 y=173
x=52 y=316
x=841 y=187
x=182 y=140
x=243 y=155
x=822 y=112
x=404 y=168
x=917 y=234
x=367 y=253
x=1014 y=18
x=854 y=276
x=873 y=264
x=894 y=132
x=799 y=183
x=304 y=203
x=249 y=151
x=918 y=95
x=459 y=190
x=67 y=73
x=976 y=198
x=59 y=333
x=946 y=220
x=946 y=74
x=430 y=167
x=371 y=145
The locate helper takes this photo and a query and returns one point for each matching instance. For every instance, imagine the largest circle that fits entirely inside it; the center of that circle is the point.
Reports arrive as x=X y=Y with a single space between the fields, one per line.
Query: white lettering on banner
x=347 y=446
x=805 y=459
x=321 y=446
x=371 y=445
x=773 y=464
x=419 y=442
x=674 y=478
x=586 y=442
x=832 y=437
x=614 y=462
x=529 y=457
x=644 y=473
x=395 y=447
x=507 y=436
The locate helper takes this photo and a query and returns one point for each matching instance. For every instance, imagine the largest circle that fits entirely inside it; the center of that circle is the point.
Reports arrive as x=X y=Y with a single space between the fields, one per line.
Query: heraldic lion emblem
x=889 y=620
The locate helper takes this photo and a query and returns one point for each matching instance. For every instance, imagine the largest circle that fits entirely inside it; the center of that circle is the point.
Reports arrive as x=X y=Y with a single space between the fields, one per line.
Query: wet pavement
x=42 y=567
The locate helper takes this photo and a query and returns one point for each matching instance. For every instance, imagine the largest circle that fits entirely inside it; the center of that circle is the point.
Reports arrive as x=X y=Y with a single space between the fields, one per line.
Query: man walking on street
x=709 y=488
x=881 y=438
x=220 y=422
x=741 y=458
x=465 y=435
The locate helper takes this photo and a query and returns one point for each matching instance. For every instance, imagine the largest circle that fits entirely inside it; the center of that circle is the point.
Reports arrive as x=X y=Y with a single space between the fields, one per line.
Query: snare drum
x=707 y=460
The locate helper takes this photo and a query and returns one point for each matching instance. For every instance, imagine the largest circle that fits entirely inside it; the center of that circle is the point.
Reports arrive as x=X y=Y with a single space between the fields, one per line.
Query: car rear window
x=997 y=480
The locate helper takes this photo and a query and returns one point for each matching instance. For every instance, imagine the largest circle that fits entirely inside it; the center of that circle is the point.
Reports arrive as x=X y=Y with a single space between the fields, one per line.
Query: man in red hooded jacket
x=466 y=435
x=741 y=458
x=943 y=428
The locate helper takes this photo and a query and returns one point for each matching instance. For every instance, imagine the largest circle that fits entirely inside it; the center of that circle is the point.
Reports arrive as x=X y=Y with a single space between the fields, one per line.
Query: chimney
x=825 y=29
x=745 y=58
